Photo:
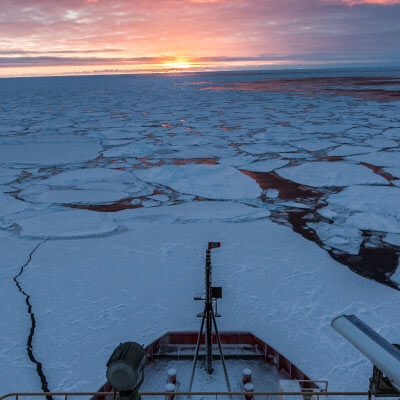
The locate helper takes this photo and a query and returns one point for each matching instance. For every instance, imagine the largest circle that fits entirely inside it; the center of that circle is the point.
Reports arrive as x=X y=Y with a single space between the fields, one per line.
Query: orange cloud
x=80 y=35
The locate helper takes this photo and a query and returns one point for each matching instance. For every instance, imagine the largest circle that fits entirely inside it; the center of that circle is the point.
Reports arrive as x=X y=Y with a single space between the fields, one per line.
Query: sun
x=176 y=65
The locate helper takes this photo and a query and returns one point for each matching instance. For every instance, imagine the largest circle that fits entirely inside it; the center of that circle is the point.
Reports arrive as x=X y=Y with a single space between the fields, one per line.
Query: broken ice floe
x=66 y=224
x=49 y=153
x=339 y=237
x=380 y=159
x=199 y=211
x=86 y=186
x=320 y=174
x=8 y=175
x=9 y=205
x=264 y=165
x=366 y=207
x=208 y=181
x=346 y=150
x=392 y=238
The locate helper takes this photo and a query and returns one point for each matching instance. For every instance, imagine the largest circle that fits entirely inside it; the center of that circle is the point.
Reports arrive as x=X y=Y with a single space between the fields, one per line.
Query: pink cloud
x=99 y=32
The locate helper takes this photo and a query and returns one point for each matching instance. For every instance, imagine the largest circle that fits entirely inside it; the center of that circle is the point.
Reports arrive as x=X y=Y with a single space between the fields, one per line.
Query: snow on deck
x=264 y=377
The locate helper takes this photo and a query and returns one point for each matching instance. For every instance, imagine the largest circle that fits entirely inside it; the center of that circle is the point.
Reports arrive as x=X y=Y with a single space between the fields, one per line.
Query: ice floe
x=198 y=211
x=366 y=207
x=266 y=148
x=380 y=159
x=359 y=198
x=52 y=153
x=264 y=165
x=9 y=175
x=346 y=150
x=392 y=238
x=339 y=237
x=66 y=224
x=9 y=205
x=208 y=181
x=320 y=174
x=314 y=145
x=97 y=295
x=79 y=196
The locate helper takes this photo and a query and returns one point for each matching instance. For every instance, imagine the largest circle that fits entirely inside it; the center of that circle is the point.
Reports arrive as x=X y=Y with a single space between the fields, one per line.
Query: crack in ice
x=39 y=367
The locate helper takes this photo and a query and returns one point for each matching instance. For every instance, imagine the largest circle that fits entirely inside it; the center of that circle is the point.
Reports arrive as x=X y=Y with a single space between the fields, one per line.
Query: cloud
x=376 y=2
x=108 y=32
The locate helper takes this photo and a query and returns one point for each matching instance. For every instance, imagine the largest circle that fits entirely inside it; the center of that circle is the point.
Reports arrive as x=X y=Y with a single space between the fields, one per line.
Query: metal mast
x=208 y=315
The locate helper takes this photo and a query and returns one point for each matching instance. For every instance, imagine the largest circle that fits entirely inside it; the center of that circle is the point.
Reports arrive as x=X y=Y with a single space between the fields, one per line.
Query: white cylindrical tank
x=171 y=376
x=246 y=376
x=249 y=389
x=378 y=350
x=170 y=387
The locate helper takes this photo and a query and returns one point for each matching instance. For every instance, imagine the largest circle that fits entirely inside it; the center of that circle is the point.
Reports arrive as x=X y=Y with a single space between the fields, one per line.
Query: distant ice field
x=121 y=180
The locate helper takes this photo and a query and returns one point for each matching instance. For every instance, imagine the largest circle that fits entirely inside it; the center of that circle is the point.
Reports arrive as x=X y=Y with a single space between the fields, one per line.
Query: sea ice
x=380 y=159
x=375 y=221
x=8 y=175
x=198 y=211
x=266 y=148
x=382 y=143
x=346 y=150
x=340 y=237
x=392 y=238
x=314 y=145
x=264 y=165
x=66 y=224
x=52 y=153
x=80 y=196
x=85 y=175
x=91 y=294
x=239 y=159
x=395 y=171
x=294 y=155
x=209 y=181
x=9 y=205
x=87 y=185
x=323 y=173
x=379 y=199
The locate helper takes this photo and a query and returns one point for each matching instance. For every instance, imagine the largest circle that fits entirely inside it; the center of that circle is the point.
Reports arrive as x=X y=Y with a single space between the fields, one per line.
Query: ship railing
x=320 y=395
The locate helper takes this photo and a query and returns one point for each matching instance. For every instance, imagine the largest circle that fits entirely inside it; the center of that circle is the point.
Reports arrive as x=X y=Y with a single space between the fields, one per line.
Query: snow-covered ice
x=199 y=211
x=101 y=291
x=381 y=158
x=346 y=150
x=264 y=165
x=66 y=224
x=53 y=153
x=339 y=237
x=209 y=181
x=176 y=153
x=392 y=238
x=380 y=199
x=9 y=175
x=324 y=173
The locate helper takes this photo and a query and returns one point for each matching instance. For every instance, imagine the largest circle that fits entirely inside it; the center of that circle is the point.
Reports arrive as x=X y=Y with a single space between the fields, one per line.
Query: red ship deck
x=236 y=345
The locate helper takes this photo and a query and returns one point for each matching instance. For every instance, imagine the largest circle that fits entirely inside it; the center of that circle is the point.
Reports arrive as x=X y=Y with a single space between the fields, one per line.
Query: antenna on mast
x=212 y=293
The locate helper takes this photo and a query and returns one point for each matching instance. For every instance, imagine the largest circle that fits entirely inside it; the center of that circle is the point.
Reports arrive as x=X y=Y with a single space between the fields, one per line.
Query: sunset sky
x=63 y=37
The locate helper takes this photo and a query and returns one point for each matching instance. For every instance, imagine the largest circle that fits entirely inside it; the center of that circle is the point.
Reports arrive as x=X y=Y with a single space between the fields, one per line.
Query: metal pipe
x=220 y=351
x=209 y=367
x=383 y=354
x=197 y=350
x=191 y=393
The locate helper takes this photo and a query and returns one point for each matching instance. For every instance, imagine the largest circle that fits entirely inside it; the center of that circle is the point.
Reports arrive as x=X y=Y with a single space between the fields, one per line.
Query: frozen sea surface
x=111 y=187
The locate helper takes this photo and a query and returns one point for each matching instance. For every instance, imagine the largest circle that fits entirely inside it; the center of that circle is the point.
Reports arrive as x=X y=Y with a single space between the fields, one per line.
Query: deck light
x=125 y=370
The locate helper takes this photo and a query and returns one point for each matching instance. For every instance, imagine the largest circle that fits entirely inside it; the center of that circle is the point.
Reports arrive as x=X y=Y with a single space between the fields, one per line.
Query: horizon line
x=395 y=66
